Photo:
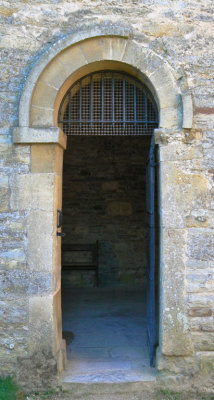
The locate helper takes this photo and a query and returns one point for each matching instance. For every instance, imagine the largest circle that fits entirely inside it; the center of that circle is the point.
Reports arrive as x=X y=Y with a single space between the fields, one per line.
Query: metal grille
x=108 y=103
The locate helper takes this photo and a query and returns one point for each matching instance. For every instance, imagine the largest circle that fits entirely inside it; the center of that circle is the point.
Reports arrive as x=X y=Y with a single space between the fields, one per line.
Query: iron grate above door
x=108 y=103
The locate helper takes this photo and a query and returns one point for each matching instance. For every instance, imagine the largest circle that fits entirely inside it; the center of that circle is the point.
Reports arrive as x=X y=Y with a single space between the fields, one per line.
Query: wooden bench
x=88 y=260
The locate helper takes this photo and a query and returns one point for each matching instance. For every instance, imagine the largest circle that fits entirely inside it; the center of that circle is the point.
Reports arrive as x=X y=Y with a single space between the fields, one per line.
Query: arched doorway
x=67 y=61
x=108 y=309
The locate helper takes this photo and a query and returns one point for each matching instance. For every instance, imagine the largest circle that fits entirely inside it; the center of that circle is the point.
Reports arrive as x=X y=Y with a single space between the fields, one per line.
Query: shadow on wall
x=108 y=264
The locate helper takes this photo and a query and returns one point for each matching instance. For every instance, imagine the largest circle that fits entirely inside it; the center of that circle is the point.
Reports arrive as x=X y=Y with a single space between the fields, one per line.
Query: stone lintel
x=27 y=135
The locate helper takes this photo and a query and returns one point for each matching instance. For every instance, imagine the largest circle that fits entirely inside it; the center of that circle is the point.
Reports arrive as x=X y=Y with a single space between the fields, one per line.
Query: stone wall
x=181 y=34
x=188 y=253
x=104 y=199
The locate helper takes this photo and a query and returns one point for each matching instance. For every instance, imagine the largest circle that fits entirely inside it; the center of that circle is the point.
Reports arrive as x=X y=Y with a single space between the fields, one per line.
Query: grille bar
x=124 y=102
x=80 y=104
x=108 y=103
x=112 y=94
x=102 y=108
x=91 y=101
x=110 y=122
x=146 y=111
x=135 y=105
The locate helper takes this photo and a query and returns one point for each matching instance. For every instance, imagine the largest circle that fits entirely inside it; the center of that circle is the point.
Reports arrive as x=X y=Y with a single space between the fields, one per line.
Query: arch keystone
x=114 y=48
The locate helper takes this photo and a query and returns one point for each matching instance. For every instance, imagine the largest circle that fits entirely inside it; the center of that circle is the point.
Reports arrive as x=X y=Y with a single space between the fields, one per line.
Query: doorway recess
x=104 y=202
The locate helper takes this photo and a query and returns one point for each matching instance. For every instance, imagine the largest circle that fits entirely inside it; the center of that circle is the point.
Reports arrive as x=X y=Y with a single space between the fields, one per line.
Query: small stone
x=200 y=245
x=200 y=312
x=7 y=11
x=119 y=208
x=110 y=186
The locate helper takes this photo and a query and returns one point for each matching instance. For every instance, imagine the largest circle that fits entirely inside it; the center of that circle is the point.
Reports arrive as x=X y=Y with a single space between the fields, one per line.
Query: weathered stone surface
x=180 y=152
x=204 y=324
x=206 y=363
x=14 y=312
x=201 y=122
x=70 y=64
x=55 y=75
x=194 y=264
x=200 y=312
x=199 y=218
x=187 y=112
x=175 y=338
x=47 y=158
x=4 y=193
x=40 y=242
x=200 y=245
x=93 y=52
x=14 y=328
x=13 y=257
x=44 y=95
x=172 y=43
x=41 y=324
x=33 y=370
x=16 y=283
x=114 y=49
x=7 y=11
x=44 y=119
x=42 y=158
x=203 y=342
x=200 y=281
x=26 y=135
x=33 y=191
x=177 y=185
x=201 y=300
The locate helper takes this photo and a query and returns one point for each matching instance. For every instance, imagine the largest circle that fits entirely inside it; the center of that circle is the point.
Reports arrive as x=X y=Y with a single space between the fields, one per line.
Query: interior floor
x=105 y=332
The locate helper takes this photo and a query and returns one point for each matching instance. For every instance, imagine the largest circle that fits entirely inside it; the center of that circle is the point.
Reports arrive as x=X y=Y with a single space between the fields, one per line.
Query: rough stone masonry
x=181 y=34
x=104 y=198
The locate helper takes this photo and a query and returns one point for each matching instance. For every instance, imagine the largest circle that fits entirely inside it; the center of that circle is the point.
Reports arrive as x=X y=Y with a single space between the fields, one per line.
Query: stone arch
x=52 y=75
x=64 y=63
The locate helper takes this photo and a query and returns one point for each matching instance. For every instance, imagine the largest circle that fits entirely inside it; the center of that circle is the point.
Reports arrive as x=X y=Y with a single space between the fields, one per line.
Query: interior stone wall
x=104 y=199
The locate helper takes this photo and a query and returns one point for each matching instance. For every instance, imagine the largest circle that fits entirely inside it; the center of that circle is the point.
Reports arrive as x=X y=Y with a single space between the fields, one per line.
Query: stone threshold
x=109 y=375
x=95 y=389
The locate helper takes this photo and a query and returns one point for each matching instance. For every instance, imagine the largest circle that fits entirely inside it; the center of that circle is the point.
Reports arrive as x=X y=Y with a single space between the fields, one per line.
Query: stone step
x=110 y=391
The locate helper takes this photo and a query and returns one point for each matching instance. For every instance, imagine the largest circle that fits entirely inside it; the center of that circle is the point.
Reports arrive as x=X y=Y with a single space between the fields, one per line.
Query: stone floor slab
x=108 y=331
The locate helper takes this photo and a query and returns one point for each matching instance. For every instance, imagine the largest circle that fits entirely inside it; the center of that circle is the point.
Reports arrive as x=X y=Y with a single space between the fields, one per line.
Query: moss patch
x=9 y=390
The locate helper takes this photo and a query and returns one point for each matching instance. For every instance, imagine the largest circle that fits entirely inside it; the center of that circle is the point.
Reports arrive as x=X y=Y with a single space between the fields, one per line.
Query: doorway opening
x=108 y=310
